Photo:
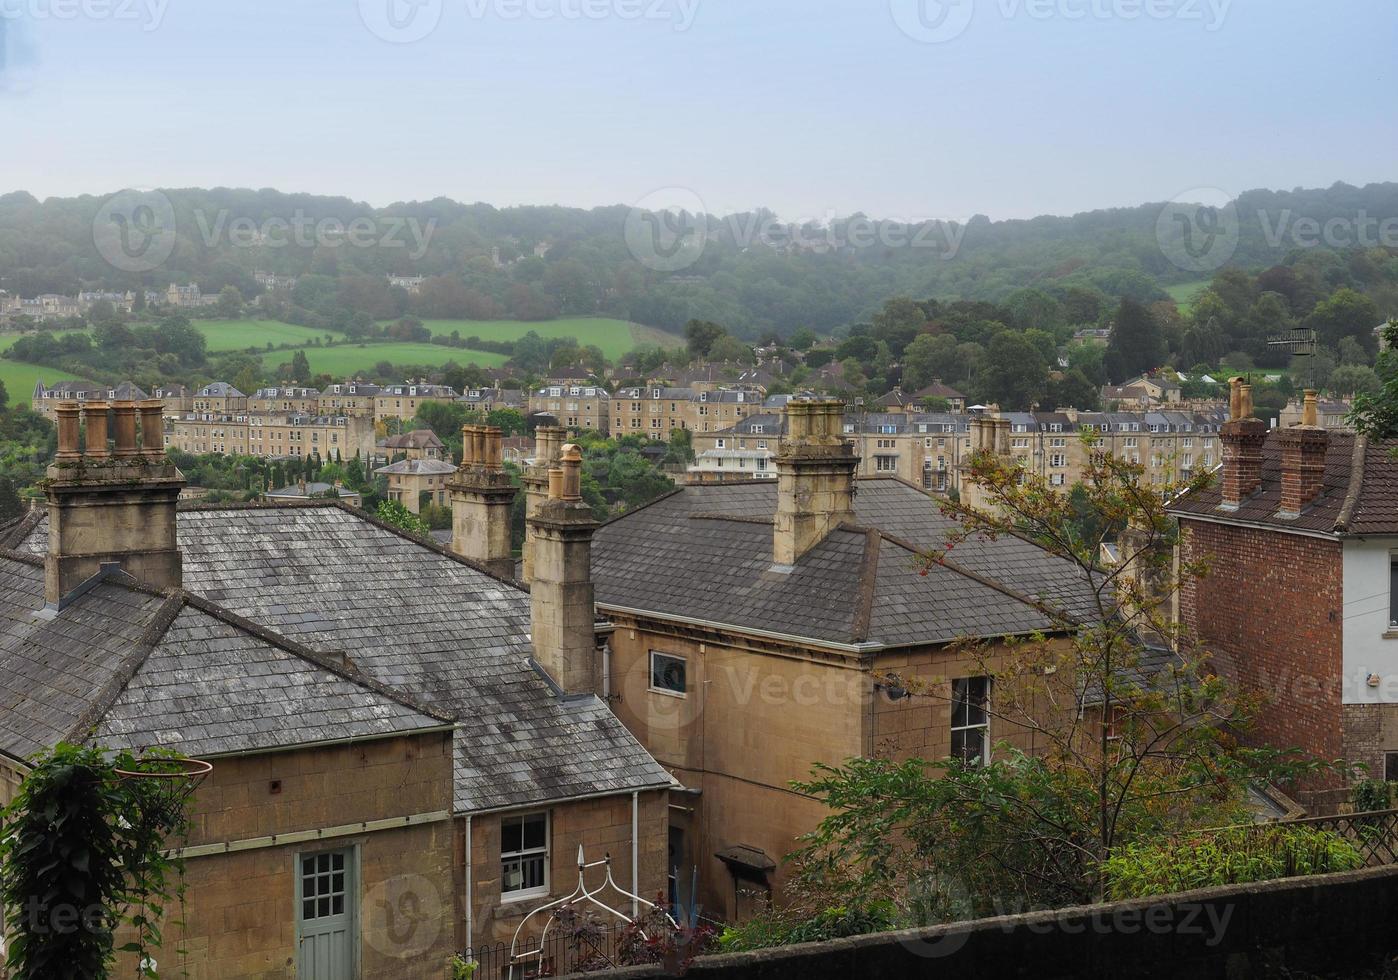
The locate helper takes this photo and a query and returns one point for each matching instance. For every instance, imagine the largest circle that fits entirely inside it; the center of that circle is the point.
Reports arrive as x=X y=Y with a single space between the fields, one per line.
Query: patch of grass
x=233 y=335
x=1185 y=293
x=19 y=378
x=344 y=360
x=616 y=338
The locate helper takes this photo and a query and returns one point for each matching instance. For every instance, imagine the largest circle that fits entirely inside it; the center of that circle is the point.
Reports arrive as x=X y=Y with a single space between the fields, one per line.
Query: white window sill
x=669 y=694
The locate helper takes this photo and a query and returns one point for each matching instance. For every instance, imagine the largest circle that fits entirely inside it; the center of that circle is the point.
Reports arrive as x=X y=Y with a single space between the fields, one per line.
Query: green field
x=344 y=360
x=1185 y=293
x=19 y=377
x=615 y=337
x=228 y=335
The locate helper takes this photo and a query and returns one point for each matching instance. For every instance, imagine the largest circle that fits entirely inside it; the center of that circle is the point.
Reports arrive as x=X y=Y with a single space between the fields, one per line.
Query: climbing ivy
x=82 y=854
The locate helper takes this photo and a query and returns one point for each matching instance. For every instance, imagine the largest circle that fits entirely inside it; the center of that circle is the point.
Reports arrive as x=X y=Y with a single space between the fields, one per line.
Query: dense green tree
x=1345 y=313
x=1136 y=343
x=1072 y=389
x=300 y=367
x=1013 y=374
x=700 y=335
x=1354 y=379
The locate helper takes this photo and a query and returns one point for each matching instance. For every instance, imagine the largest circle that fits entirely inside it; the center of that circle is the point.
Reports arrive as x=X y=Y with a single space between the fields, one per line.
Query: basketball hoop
x=164 y=786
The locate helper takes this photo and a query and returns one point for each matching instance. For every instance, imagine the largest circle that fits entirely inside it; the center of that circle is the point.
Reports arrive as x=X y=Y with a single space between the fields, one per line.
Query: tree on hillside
x=700 y=335
x=1137 y=344
x=898 y=323
x=300 y=367
x=1345 y=313
x=1203 y=344
x=730 y=348
x=1353 y=380
x=1034 y=309
x=1072 y=389
x=230 y=302
x=1013 y=374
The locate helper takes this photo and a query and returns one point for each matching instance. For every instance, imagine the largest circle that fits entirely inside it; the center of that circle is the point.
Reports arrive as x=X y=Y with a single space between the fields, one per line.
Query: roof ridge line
x=1358 y=451
x=343 y=670
x=998 y=586
x=169 y=608
x=868 y=583
x=18 y=529
x=22 y=557
x=679 y=488
x=734 y=518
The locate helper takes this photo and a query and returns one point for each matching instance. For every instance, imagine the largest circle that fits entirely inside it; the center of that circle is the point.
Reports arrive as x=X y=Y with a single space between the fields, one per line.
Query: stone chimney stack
x=1302 y=460
x=548 y=444
x=481 y=498
x=561 y=600
x=1241 y=437
x=815 y=479
x=111 y=505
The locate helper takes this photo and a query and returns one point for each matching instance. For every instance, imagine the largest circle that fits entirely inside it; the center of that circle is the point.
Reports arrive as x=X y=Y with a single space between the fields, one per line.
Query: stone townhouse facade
x=576 y=407
x=413 y=481
x=354 y=399
x=402 y=401
x=45 y=398
x=764 y=627
x=289 y=400
x=1305 y=520
x=272 y=435
x=219 y=398
x=930 y=448
x=398 y=774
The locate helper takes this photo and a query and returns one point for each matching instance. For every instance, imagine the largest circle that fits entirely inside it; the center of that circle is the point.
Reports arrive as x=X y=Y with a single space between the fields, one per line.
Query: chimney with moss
x=815 y=479
x=562 y=615
x=112 y=497
x=481 y=498
x=548 y=444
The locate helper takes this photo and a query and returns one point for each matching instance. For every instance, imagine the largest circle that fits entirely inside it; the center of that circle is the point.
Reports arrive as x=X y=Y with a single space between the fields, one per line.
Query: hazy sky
x=899 y=108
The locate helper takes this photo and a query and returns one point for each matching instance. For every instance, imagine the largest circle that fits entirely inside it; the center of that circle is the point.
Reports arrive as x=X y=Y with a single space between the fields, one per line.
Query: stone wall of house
x=1332 y=925
x=240 y=907
x=1370 y=731
x=601 y=826
x=1271 y=612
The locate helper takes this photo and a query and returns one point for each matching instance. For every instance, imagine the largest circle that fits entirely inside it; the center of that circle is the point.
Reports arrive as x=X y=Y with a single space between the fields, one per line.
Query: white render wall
x=1370 y=647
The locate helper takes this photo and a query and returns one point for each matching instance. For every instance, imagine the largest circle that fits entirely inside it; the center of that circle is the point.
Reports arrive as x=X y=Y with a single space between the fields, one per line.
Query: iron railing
x=1373 y=834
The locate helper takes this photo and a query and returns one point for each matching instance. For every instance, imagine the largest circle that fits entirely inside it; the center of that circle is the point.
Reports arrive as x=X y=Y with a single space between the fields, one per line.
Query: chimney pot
x=95 y=416
x=68 y=427
x=125 y=412
x=1309 y=414
x=153 y=428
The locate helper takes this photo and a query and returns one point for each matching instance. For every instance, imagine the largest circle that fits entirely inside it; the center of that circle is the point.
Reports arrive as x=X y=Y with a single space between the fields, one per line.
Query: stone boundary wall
x=1330 y=925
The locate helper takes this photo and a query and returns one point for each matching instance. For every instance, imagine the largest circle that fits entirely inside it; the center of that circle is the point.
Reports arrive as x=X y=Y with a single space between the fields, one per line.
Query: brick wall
x=1271 y=611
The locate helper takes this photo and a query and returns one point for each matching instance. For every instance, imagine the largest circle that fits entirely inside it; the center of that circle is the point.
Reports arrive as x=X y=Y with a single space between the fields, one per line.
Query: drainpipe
x=470 y=909
x=635 y=853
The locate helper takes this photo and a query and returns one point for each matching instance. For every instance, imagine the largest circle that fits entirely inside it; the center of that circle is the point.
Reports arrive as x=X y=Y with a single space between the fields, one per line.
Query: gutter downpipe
x=635 y=853
x=470 y=909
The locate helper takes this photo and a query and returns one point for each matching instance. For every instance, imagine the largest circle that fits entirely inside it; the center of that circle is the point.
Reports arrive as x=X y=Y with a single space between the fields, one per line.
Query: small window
x=1393 y=591
x=1390 y=766
x=524 y=856
x=970 y=719
x=667 y=673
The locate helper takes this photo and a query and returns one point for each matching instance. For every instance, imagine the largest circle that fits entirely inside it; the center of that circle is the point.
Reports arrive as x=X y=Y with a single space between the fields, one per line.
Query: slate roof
x=418 y=467
x=134 y=668
x=417 y=439
x=705 y=553
x=420 y=622
x=1357 y=497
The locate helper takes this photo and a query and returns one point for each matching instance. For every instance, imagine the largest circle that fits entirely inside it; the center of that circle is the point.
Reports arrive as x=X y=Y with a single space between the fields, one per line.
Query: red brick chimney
x=1242 y=437
x=1302 y=460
